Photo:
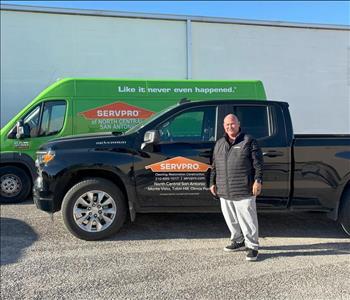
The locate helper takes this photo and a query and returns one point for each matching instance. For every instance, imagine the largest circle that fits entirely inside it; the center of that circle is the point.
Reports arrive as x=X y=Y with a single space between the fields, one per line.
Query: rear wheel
x=344 y=214
x=94 y=209
x=15 y=184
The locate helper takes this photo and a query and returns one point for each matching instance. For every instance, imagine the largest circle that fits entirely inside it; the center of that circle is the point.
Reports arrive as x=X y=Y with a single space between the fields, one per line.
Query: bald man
x=236 y=178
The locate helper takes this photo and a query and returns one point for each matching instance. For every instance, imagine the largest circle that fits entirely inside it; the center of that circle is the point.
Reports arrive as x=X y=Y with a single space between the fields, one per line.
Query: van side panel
x=118 y=105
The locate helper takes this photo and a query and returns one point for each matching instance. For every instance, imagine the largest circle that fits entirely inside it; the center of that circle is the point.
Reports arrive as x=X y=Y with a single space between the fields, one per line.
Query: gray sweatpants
x=242 y=220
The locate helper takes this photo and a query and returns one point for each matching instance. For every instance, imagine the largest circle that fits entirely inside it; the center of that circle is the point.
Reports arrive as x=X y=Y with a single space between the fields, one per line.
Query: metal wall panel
x=306 y=66
x=38 y=48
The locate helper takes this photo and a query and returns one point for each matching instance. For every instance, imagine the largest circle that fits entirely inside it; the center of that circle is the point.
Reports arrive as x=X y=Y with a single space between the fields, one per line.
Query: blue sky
x=321 y=12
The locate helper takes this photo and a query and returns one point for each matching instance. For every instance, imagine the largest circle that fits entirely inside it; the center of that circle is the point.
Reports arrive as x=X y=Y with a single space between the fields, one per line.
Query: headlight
x=44 y=157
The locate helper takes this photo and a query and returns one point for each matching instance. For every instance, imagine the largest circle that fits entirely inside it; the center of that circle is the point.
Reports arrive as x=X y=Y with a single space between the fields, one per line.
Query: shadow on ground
x=199 y=226
x=16 y=236
x=24 y=202
x=305 y=250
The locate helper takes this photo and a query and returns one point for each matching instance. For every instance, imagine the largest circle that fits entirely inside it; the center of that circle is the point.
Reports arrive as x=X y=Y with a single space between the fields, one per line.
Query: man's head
x=231 y=125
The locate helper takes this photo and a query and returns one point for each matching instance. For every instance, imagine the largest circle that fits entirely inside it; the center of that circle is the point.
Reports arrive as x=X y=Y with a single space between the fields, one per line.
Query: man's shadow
x=16 y=236
x=340 y=248
x=302 y=225
x=299 y=224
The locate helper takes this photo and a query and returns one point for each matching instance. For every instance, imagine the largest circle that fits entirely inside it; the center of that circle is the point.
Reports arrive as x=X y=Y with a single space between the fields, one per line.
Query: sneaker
x=234 y=246
x=252 y=254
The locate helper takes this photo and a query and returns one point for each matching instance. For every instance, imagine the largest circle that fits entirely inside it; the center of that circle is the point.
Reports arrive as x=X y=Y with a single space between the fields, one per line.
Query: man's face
x=231 y=126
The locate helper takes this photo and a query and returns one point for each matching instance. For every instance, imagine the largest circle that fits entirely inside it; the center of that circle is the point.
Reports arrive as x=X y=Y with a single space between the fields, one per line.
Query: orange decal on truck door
x=179 y=164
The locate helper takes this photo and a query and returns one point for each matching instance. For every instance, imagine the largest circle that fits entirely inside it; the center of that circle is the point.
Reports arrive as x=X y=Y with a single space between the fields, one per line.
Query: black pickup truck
x=164 y=165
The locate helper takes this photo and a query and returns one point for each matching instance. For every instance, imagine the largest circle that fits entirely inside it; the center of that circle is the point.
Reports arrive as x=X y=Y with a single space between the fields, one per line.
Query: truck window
x=255 y=120
x=193 y=125
x=53 y=118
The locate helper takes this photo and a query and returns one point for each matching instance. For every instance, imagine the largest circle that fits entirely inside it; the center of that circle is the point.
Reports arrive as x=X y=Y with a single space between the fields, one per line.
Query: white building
x=307 y=65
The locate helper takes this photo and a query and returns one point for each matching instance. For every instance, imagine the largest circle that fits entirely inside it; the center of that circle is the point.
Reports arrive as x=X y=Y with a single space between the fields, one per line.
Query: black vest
x=235 y=166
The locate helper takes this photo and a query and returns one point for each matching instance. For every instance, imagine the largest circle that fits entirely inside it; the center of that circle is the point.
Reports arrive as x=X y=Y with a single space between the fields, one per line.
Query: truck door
x=266 y=124
x=176 y=172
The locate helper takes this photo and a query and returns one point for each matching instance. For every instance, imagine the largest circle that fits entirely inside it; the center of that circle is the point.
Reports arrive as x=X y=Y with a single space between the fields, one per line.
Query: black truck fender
x=74 y=175
x=334 y=215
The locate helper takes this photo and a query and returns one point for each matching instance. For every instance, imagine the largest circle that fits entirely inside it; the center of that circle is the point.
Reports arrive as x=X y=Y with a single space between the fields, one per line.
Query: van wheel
x=344 y=214
x=94 y=209
x=15 y=185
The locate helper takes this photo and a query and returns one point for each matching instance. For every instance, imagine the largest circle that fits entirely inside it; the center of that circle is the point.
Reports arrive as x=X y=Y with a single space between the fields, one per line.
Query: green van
x=78 y=105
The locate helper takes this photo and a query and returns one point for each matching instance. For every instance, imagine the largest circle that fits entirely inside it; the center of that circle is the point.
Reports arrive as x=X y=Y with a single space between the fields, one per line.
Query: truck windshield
x=149 y=120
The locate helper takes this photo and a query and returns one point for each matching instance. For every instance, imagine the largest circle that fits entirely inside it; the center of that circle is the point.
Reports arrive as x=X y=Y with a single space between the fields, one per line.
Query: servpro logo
x=117 y=110
x=179 y=164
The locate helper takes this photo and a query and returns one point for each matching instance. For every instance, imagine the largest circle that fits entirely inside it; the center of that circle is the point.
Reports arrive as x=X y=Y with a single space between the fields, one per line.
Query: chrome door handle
x=273 y=153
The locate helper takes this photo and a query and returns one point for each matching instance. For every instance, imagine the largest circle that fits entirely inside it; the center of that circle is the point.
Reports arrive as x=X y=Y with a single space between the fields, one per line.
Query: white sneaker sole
x=229 y=250
x=252 y=258
x=234 y=250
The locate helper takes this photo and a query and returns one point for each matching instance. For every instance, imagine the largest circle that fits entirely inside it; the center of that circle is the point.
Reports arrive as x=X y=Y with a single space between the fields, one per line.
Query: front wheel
x=94 y=209
x=15 y=184
x=344 y=214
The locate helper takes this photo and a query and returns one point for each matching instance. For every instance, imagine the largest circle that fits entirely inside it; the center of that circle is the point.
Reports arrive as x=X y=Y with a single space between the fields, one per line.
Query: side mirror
x=22 y=130
x=151 y=137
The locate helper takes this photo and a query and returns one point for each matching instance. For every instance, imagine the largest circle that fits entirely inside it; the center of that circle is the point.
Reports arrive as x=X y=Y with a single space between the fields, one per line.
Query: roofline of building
x=106 y=13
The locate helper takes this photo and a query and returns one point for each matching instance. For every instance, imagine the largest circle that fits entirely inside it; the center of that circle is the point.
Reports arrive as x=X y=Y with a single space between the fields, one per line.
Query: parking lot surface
x=172 y=256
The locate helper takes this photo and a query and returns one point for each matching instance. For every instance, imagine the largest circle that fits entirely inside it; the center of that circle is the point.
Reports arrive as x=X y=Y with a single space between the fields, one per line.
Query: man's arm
x=258 y=161
x=258 y=165
x=213 y=175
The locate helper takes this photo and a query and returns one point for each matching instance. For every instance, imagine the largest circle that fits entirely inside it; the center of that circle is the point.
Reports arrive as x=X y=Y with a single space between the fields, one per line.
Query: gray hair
x=232 y=116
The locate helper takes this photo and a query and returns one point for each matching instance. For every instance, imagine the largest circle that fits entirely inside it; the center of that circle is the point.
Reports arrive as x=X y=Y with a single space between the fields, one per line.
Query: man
x=236 y=178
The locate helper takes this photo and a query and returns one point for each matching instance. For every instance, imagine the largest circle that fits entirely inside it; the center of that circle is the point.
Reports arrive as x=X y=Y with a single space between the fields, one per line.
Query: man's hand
x=213 y=190
x=257 y=188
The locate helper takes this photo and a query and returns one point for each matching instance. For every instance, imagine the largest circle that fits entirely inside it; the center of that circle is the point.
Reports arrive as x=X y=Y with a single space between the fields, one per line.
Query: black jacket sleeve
x=258 y=161
x=213 y=170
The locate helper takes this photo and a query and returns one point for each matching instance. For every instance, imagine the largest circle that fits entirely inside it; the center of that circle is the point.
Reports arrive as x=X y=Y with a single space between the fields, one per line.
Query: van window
x=193 y=125
x=53 y=118
x=31 y=121
x=254 y=120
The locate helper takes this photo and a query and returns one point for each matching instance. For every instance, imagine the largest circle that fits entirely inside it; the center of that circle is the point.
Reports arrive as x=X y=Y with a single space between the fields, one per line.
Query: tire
x=344 y=214
x=15 y=184
x=94 y=209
